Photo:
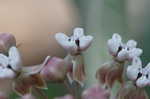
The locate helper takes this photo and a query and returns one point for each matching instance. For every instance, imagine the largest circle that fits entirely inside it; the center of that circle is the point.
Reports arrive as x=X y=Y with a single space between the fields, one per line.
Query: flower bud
x=95 y=92
x=3 y=96
x=28 y=96
x=65 y=97
x=55 y=70
x=6 y=41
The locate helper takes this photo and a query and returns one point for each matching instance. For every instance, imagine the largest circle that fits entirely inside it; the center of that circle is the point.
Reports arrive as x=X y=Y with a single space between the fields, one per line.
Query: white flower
x=134 y=71
x=75 y=44
x=9 y=65
x=144 y=80
x=123 y=51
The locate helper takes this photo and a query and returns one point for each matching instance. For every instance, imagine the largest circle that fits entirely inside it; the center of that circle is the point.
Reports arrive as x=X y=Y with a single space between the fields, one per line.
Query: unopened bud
x=28 y=96
x=7 y=40
x=55 y=70
x=3 y=96
x=65 y=97
x=96 y=92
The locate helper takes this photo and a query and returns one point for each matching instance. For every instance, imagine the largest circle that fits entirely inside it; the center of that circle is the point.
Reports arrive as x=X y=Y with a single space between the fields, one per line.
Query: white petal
x=64 y=41
x=142 y=81
x=122 y=55
x=134 y=69
x=114 y=43
x=4 y=60
x=6 y=73
x=132 y=72
x=137 y=62
x=135 y=52
x=85 y=42
x=78 y=32
x=131 y=44
x=15 y=58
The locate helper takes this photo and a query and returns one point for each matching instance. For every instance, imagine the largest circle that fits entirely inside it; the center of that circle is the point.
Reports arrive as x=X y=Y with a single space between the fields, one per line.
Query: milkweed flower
x=9 y=69
x=75 y=45
x=112 y=71
x=123 y=51
x=14 y=75
x=139 y=74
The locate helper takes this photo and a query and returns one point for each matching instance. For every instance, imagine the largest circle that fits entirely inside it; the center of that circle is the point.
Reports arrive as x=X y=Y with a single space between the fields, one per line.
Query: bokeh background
x=34 y=23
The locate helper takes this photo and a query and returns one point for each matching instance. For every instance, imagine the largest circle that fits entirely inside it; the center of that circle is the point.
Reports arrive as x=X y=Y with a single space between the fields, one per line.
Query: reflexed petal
x=110 y=72
x=21 y=88
x=114 y=44
x=131 y=44
x=96 y=92
x=115 y=74
x=78 y=32
x=15 y=58
x=79 y=70
x=85 y=42
x=102 y=73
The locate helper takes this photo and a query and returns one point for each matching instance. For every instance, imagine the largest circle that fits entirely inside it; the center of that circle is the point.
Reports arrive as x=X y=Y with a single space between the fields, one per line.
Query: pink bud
x=6 y=41
x=95 y=92
x=28 y=96
x=55 y=70
x=3 y=96
x=65 y=97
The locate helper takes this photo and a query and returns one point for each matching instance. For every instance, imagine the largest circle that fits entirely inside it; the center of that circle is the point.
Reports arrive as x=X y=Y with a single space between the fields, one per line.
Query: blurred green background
x=102 y=18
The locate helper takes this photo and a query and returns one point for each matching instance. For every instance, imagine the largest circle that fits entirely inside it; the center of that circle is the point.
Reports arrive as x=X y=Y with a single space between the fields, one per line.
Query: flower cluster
x=116 y=69
x=70 y=70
